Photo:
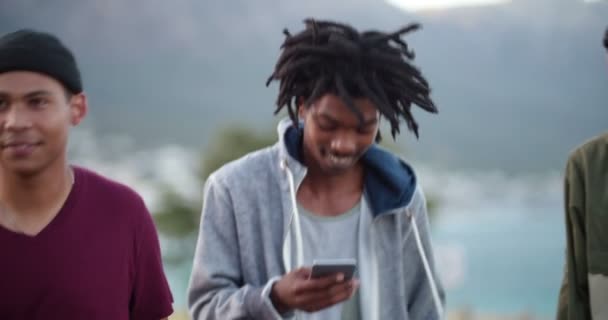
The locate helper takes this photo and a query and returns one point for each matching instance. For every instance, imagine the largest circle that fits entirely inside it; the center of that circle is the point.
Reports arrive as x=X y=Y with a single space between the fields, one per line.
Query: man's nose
x=16 y=119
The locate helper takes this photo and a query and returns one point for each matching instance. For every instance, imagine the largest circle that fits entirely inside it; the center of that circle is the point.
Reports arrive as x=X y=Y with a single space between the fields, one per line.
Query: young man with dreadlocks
x=584 y=292
x=325 y=190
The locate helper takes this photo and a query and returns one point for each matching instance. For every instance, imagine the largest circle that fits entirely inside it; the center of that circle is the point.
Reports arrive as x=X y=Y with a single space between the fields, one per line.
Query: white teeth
x=20 y=146
x=341 y=161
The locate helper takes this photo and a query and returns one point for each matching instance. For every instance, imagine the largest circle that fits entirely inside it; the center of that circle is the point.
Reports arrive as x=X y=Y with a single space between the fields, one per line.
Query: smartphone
x=326 y=267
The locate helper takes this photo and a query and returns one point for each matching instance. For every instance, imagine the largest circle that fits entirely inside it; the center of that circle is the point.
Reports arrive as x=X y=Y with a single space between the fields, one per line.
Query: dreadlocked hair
x=329 y=57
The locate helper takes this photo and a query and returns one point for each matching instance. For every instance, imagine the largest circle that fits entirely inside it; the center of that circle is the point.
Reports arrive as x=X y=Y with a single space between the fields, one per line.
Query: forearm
x=211 y=301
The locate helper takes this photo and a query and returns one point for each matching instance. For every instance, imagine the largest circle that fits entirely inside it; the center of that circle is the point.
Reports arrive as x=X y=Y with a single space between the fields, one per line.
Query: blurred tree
x=231 y=143
x=178 y=218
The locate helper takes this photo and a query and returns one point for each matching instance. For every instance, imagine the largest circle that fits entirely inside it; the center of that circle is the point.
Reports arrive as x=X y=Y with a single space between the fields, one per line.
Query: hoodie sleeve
x=422 y=305
x=574 y=294
x=216 y=289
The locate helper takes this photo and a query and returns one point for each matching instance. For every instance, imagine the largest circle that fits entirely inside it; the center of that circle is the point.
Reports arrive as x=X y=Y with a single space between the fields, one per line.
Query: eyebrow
x=37 y=93
x=32 y=94
x=366 y=123
x=369 y=122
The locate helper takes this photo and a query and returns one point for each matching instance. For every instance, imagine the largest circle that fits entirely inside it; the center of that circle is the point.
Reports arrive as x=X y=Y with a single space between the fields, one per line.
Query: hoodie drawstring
x=295 y=217
x=427 y=269
x=299 y=247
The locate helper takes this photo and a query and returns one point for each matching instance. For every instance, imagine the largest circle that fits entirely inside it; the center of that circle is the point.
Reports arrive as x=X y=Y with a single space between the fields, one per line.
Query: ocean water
x=512 y=263
x=499 y=243
x=499 y=238
x=507 y=264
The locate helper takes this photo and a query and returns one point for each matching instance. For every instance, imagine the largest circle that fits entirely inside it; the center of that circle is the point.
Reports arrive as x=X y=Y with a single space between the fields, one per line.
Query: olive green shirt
x=584 y=291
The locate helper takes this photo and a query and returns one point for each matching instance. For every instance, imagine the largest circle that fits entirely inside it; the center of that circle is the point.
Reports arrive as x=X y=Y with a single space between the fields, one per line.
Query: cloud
x=417 y=5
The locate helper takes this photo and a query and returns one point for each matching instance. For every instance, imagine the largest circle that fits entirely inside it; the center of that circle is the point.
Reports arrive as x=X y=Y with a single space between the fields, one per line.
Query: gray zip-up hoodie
x=249 y=213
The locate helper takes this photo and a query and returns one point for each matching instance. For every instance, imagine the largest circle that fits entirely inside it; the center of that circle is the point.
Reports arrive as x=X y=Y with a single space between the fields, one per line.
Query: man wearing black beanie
x=584 y=291
x=73 y=244
x=606 y=39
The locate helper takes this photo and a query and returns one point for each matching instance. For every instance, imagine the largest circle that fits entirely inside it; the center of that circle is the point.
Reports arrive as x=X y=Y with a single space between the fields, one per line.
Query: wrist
x=276 y=300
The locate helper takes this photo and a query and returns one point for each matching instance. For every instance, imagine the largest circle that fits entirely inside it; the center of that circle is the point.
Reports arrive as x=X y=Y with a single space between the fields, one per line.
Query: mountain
x=518 y=85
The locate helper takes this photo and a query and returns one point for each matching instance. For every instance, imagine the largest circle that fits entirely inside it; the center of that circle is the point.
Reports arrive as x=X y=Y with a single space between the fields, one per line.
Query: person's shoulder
x=590 y=148
x=107 y=189
x=114 y=204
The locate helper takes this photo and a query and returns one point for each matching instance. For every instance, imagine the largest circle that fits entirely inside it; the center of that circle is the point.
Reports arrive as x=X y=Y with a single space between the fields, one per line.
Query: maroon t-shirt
x=98 y=259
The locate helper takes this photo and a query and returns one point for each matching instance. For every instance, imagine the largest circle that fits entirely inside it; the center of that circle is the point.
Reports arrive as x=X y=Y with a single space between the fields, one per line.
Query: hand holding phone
x=299 y=290
x=326 y=267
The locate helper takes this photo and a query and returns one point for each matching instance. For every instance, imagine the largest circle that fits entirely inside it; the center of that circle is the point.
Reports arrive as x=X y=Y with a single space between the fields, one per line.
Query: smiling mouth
x=341 y=161
x=20 y=149
x=18 y=145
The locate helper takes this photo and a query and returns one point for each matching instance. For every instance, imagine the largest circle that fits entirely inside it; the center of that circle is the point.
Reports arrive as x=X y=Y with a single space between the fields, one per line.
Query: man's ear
x=78 y=108
x=302 y=108
x=378 y=133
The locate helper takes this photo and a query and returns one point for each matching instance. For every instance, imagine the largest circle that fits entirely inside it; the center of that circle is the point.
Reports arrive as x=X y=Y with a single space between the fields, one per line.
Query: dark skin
x=334 y=141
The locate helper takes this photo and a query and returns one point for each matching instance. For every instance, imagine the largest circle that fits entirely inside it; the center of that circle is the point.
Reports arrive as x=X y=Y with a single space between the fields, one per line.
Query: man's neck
x=349 y=181
x=330 y=195
x=28 y=195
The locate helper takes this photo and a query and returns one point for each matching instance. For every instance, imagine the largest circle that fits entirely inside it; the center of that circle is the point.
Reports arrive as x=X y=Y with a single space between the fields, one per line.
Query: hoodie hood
x=389 y=182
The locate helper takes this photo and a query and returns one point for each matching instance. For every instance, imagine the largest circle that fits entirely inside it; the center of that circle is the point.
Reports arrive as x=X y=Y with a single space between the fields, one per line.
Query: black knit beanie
x=606 y=39
x=29 y=50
